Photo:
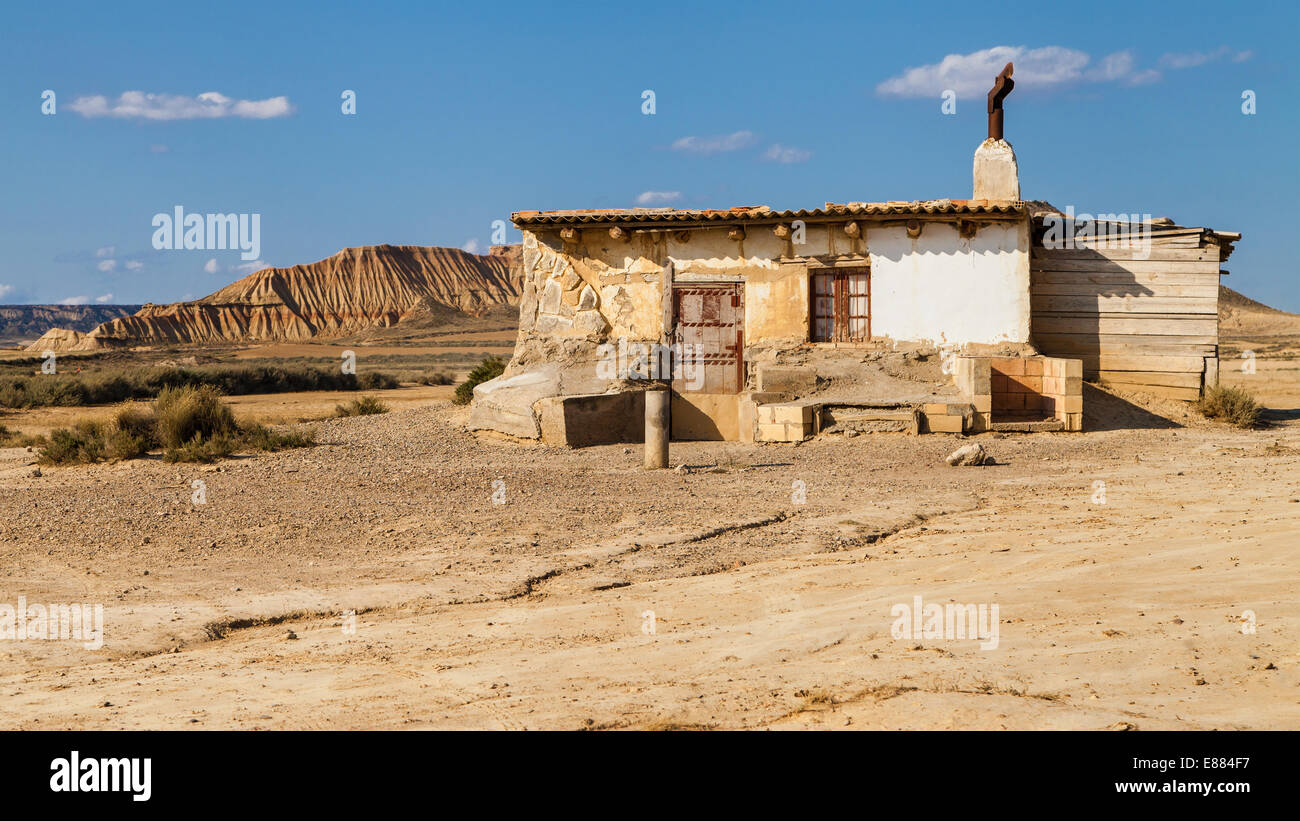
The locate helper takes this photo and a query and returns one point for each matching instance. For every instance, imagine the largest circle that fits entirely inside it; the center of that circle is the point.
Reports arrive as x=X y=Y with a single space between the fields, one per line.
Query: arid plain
x=373 y=581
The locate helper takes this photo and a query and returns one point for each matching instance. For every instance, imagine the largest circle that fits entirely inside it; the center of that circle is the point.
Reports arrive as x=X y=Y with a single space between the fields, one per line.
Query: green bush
x=1232 y=405
x=365 y=406
x=490 y=368
x=183 y=414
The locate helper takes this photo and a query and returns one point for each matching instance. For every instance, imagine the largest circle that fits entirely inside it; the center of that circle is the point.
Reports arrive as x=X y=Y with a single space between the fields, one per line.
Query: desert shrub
x=1232 y=405
x=435 y=378
x=365 y=406
x=136 y=421
x=260 y=437
x=374 y=381
x=17 y=439
x=490 y=368
x=122 y=444
x=80 y=445
x=200 y=450
x=191 y=424
x=147 y=383
x=182 y=414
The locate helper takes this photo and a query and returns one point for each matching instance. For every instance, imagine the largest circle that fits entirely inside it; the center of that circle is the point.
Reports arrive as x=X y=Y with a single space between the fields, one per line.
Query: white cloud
x=972 y=75
x=657 y=197
x=106 y=252
x=75 y=300
x=786 y=154
x=1199 y=58
x=104 y=298
x=211 y=266
x=471 y=245
x=1112 y=67
x=6 y=290
x=714 y=145
x=107 y=265
x=208 y=105
x=249 y=267
x=134 y=265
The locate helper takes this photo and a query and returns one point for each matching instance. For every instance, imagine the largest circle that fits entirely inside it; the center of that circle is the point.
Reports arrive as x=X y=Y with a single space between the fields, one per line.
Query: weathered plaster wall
x=938 y=287
x=942 y=288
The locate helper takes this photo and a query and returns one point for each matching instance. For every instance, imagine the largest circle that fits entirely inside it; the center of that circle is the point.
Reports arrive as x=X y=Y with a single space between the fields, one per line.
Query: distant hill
x=1241 y=316
x=27 y=322
x=355 y=290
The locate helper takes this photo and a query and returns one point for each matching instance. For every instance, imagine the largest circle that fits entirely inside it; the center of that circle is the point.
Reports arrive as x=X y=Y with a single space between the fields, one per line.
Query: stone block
x=944 y=423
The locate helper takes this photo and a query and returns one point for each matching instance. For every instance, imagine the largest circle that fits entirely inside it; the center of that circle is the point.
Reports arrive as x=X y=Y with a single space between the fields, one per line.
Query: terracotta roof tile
x=763 y=212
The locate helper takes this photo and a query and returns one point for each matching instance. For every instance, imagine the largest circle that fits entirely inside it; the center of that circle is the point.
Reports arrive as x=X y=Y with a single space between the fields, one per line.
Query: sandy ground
x=600 y=595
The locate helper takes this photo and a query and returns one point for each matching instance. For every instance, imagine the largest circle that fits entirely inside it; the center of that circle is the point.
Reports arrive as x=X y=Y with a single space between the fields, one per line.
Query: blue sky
x=466 y=112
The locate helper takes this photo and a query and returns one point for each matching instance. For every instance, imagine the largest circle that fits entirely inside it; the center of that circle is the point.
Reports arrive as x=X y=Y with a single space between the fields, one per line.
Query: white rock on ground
x=973 y=454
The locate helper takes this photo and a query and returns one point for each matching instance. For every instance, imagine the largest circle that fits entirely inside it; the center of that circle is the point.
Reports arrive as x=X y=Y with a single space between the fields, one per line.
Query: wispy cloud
x=5 y=290
x=134 y=265
x=211 y=266
x=249 y=267
x=1199 y=58
x=1036 y=69
x=714 y=145
x=103 y=298
x=471 y=245
x=107 y=266
x=106 y=251
x=657 y=197
x=786 y=154
x=139 y=105
x=75 y=300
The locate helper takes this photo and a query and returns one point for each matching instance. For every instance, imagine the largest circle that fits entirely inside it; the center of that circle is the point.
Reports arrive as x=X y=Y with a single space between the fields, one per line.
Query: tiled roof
x=764 y=213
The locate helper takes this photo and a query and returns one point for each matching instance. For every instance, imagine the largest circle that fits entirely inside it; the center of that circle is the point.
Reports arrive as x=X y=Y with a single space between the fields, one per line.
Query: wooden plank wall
x=1150 y=324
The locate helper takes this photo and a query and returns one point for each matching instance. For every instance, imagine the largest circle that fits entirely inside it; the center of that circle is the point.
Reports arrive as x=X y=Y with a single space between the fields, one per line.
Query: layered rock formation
x=19 y=322
x=354 y=290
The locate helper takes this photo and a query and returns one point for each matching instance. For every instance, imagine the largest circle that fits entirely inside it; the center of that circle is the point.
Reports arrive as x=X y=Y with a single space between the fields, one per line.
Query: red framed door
x=711 y=316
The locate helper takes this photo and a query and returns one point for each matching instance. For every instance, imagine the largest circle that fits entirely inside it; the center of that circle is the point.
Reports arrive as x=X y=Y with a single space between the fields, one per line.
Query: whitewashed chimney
x=996 y=174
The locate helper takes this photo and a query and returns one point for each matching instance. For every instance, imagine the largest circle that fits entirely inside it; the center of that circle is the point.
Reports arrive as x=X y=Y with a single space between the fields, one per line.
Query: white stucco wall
x=942 y=288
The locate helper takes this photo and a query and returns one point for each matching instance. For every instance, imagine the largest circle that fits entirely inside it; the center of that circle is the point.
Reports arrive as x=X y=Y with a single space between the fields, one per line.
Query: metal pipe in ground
x=656 y=428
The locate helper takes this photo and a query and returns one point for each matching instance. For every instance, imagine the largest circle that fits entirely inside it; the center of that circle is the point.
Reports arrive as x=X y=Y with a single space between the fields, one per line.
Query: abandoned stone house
x=939 y=315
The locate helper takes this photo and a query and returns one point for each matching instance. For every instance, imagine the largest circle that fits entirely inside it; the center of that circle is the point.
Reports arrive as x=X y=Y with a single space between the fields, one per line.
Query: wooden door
x=712 y=317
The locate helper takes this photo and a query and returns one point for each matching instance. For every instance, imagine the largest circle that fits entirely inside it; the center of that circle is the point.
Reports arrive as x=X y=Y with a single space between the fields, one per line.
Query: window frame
x=841 y=301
